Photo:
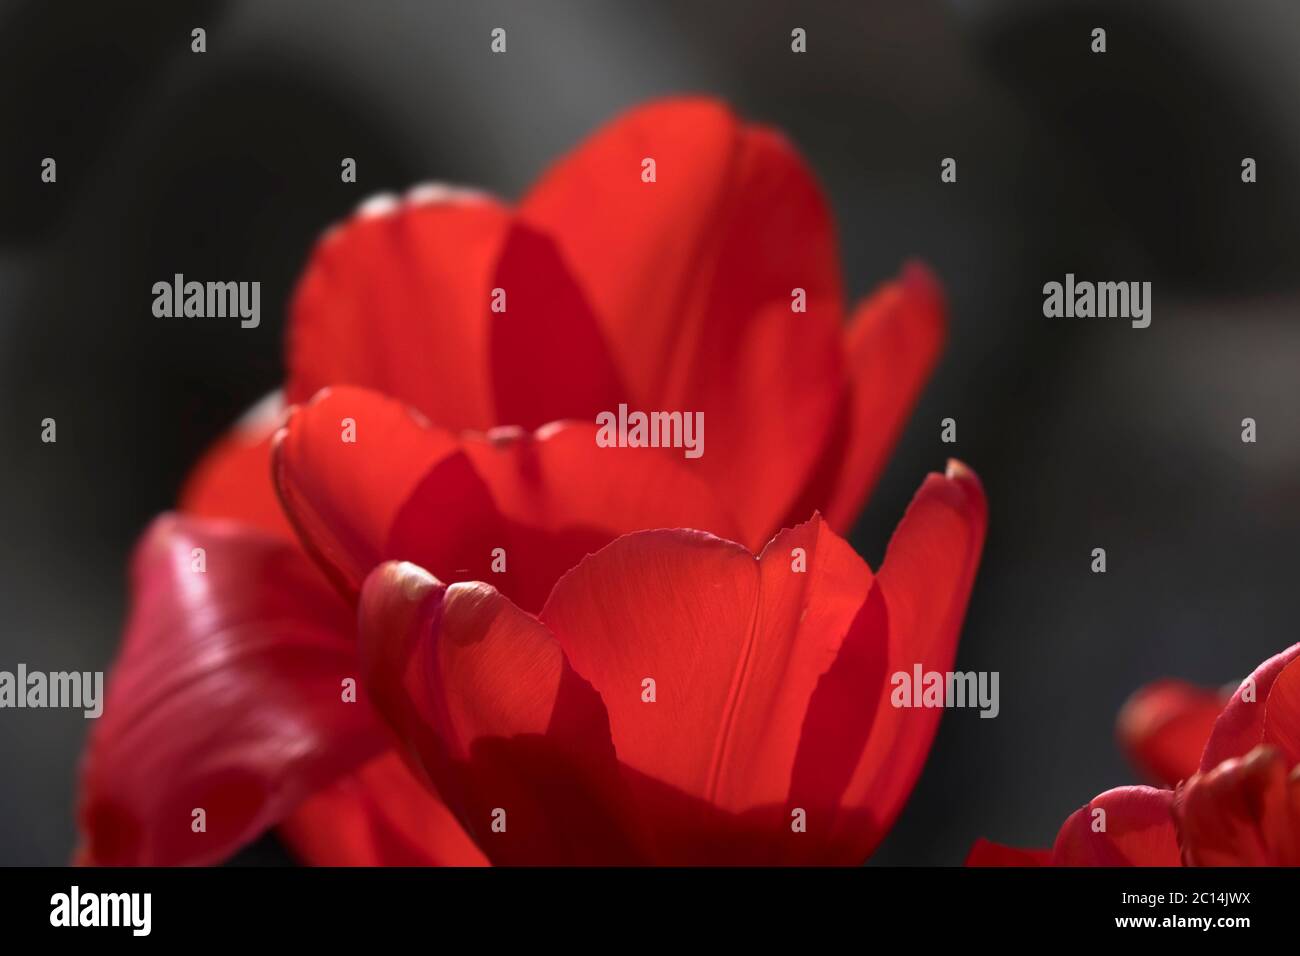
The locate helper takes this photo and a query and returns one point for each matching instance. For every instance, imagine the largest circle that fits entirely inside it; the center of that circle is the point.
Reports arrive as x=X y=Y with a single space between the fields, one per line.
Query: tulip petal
x=1164 y=726
x=448 y=302
x=894 y=339
x=227 y=696
x=924 y=582
x=515 y=742
x=233 y=478
x=693 y=277
x=986 y=853
x=398 y=299
x=735 y=648
x=1127 y=826
x=1241 y=726
x=346 y=462
x=1244 y=812
x=381 y=815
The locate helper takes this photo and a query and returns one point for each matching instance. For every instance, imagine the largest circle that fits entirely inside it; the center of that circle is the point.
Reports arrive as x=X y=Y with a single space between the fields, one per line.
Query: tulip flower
x=448 y=356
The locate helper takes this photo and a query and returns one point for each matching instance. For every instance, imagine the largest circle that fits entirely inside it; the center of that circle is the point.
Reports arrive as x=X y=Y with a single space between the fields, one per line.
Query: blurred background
x=1087 y=433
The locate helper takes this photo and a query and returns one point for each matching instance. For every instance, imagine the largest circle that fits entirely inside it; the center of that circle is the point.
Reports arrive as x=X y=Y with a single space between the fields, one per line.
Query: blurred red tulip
x=1240 y=808
x=473 y=433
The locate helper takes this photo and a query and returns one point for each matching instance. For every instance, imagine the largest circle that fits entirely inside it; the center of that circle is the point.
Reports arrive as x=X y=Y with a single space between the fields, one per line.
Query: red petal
x=736 y=649
x=894 y=339
x=988 y=853
x=1134 y=828
x=1240 y=728
x=1244 y=812
x=491 y=711
x=1164 y=726
x=397 y=299
x=406 y=491
x=400 y=299
x=343 y=496
x=378 y=816
x=925 y=582
x=233 y=478
x=227 y=695
x=692 y=277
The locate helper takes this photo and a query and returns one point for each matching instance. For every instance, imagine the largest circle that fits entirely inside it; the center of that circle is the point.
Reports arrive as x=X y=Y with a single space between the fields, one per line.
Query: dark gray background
x=1087 y=433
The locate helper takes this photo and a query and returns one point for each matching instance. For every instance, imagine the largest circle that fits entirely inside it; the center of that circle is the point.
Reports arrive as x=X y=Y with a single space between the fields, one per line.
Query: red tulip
x=1241 y=808
x=668 y=295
